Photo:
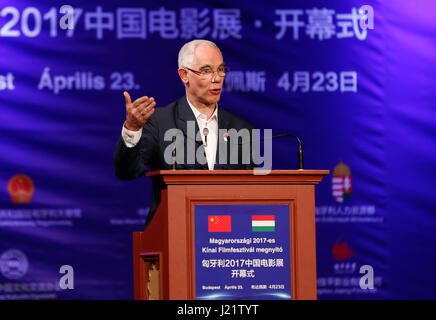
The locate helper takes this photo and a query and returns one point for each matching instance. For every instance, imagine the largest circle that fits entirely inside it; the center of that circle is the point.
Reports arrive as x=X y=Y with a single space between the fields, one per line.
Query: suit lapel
x=183 y=115
x=223 y=124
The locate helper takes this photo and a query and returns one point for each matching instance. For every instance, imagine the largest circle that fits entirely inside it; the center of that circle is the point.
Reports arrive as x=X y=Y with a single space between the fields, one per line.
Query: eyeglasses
x=207 y=72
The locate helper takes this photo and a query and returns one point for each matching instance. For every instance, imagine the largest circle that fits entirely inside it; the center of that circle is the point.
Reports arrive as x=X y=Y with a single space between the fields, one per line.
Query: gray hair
x=186 y=53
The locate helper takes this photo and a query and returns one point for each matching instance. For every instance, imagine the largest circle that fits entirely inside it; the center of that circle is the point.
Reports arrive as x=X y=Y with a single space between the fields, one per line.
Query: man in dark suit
x=144 y=140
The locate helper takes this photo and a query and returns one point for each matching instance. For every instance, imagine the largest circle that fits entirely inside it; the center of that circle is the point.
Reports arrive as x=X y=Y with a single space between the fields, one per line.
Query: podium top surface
x=240 y=176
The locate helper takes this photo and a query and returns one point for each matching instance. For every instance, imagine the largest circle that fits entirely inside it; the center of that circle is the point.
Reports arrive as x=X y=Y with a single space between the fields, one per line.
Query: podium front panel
x=182 y=227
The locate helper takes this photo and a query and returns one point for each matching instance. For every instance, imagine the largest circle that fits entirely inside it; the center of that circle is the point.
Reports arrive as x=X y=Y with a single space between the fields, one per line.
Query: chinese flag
x=220 y=223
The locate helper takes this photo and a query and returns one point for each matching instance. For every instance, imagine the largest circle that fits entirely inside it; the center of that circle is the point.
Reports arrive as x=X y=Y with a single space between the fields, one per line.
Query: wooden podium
x=163 y=255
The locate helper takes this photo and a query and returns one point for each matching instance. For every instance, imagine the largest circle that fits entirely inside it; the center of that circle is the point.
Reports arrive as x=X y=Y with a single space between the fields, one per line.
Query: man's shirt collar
x=200 y=115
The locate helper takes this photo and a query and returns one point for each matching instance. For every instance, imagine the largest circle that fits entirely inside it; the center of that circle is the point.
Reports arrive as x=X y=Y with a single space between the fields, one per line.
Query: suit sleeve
x=131 y=163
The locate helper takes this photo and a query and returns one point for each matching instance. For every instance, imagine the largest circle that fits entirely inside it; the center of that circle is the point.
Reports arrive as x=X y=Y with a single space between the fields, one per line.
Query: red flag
x=220 y=223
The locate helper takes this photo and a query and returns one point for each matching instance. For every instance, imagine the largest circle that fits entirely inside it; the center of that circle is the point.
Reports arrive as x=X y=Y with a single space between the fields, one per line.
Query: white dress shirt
x=131 y=138
x=212 y=137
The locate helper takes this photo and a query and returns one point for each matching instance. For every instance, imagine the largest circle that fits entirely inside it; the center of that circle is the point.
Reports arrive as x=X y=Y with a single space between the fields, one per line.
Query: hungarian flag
x=263 y=223
x=220 y=223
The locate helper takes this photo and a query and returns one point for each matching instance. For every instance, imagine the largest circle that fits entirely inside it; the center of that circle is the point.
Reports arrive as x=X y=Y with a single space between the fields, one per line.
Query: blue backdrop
x=361 y=100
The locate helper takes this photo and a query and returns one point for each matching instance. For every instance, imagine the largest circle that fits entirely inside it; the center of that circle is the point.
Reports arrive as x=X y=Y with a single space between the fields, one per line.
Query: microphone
x=173 y=154
x=205 y=133
x=225 y=136
x=300 y=148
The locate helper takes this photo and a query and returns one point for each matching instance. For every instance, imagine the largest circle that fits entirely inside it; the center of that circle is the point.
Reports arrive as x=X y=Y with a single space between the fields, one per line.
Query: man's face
x=205 y=90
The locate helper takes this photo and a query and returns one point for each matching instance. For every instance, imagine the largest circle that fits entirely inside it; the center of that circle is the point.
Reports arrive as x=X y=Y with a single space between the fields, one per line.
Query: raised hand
x=138 y=111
